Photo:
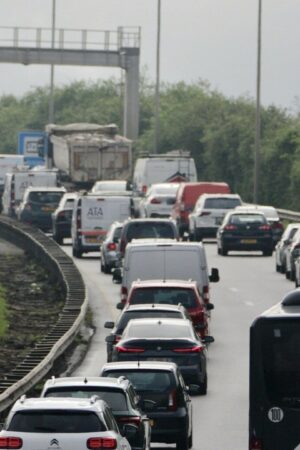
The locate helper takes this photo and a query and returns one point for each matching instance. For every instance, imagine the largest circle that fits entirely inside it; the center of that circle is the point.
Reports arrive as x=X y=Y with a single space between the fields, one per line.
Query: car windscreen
x=157 y=331
x=146 y=230
x=114 y=397
x=247 y=219
x=169 y=296
x=221 y=203
x=45 y=197
x=146 y=380
x=56 y=421
x=280 y=343
x=144 y=314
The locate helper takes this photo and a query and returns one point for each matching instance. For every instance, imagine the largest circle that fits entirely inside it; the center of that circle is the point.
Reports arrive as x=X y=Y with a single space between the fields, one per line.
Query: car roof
x=153 y=307
x=154 y=365
x=246 y=212
x=164 y=321
x=189 y=284
x=163 y=243
x=86 y=381
x=203 y=196
x=149 y=220
x=49 y=403
x=46 y=189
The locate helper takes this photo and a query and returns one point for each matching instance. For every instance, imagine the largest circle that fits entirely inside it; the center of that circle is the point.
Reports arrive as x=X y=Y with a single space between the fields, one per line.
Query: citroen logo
x=159 y=349
x=54 y=442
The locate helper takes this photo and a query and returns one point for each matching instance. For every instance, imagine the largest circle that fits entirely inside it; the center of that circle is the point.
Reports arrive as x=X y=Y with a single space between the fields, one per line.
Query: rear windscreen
x=45 y=197
x=150 y=230
x=146 y=380
x=144 y=314
x=56 y=421
x=114 y=397
x=169 y=296
x=221 y=203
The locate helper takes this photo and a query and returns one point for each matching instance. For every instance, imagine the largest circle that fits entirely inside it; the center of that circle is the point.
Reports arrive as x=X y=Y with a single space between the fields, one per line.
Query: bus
x=274 y=409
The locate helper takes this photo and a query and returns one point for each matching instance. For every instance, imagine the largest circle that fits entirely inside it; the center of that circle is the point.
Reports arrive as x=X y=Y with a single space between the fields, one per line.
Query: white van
x=156 y=260
x=8 y=163
x=92 y=216
x=17 y=182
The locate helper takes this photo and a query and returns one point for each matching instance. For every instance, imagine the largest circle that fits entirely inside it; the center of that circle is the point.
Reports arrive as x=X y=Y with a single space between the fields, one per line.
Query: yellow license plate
x=248 y=241
x=47 y=209
x=92 y=239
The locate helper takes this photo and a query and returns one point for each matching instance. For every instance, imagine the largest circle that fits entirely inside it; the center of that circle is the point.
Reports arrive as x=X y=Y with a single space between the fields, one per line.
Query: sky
x=211 y=40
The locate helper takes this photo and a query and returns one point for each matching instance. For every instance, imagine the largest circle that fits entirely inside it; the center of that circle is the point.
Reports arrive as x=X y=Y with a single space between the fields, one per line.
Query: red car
x=173 y=292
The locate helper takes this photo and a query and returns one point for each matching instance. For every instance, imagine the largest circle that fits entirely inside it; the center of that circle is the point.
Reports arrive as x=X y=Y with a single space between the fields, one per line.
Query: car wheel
x=106 y=268
x=191 y=440
x=267 y=252
x=223 y=251
x=58 y=239
x=287 y=274
x=182 y=442
x=191 y=237
x=278 y=268
x=292 y=275
x=203 y=386
x=219 y=251
x=76 y=253
x=198 y=236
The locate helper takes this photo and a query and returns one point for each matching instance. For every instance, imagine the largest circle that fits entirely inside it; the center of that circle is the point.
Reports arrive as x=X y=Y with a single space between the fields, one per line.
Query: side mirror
x=129 y=431
x=109 y=324
x=214 y=277
x=120 y=306
x=209 y=306
x=199 y=326
x=208 y=339
x=192 y=389
x=110 y=339
x=117 y=276
x=147 y=405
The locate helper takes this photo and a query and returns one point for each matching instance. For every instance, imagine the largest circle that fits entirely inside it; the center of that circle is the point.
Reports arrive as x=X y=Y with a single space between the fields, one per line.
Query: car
x=245 y=230
x=208 y=214
x=145 y=229
x=281 y=246
x=165 y=339
x=173 y=292
x=158 y=200
x=62 y=423
x=292 y=253
x=138 y=312
x=62 y=217
x=109 y=248
x=118 y=393
x=272 y=217
x=164 y=397
x=38 y=204
x=110 y=186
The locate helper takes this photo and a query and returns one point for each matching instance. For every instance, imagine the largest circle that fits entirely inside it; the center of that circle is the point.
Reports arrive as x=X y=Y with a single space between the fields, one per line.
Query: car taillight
x=111 y=246
x=230 y=227
x=10 y=442
x=99 y=443
x=206 y=294
x=195 y=349
x=121 y=349
x=255 y=444
x=155 y=201
x=172 y=401
x=204 y=213
x=144 y=189
x=78 y=219
x=134 y=420
x=124 y=293
x=265 y=227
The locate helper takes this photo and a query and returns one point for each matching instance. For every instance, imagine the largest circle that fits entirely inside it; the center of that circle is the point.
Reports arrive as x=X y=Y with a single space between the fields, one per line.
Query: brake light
x=195 y=349
x=111 y=246
x=121 y=349
x=10 y=442
x=172 y=402
x=206 y=294
x=144 y=189
x=155 y=201
x=265 y=227
x=98 y=443
x=230 y=227
x=255 y=444
x=134 y=420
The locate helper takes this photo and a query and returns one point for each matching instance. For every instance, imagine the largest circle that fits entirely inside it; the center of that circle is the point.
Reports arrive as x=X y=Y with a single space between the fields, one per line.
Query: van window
x=144 y=230
x=222 y=203
x=45 y=197
x=168 y=295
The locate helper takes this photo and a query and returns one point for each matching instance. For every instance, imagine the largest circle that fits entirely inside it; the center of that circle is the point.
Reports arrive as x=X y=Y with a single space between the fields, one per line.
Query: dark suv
x=147 y=228
x=118 y=393
x=164 y=398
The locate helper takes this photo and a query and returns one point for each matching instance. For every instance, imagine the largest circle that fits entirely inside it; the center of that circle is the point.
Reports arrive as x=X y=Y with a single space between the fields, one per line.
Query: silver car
x=159 y=200
x=282 y=245
x=110 y=248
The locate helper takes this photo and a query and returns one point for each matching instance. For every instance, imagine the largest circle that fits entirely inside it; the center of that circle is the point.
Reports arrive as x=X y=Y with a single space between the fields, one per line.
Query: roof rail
x=23 y=398
x=94 y=399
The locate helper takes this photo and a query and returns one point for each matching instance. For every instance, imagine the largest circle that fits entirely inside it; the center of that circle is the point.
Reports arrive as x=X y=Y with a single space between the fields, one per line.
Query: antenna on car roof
x=85 y=380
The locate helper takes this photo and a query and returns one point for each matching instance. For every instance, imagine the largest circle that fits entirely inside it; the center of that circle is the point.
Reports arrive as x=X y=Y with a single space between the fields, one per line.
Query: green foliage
x=218 y=131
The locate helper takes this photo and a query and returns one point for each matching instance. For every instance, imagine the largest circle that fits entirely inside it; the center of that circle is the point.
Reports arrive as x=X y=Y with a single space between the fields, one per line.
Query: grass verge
x=3 y=313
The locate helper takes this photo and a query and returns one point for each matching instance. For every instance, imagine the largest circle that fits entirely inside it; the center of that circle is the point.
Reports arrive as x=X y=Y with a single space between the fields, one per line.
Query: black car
x=245 y=230
x=147 y=228
x=139 y=312
x=62 y=217
x=172 y=340
x=164 y=398
x=118 y=393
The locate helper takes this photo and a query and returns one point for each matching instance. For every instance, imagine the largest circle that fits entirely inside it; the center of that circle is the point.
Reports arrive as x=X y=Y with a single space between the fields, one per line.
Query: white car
x=208 y=214
x=110 y=186
x=62 y=423
x=159 y=200
x=282 y=245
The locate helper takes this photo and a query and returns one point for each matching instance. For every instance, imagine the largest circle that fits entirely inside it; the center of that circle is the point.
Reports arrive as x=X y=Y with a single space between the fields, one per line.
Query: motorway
x=248 y=286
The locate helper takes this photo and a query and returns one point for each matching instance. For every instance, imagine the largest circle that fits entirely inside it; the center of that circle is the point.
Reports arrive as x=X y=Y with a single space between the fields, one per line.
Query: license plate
x=47 y=209
x=248 y=241
x=92 y=239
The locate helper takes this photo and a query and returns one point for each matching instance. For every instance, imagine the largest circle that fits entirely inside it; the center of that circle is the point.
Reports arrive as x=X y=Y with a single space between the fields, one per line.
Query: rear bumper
x=206 y=231
x=168 y=426
x=237 y=243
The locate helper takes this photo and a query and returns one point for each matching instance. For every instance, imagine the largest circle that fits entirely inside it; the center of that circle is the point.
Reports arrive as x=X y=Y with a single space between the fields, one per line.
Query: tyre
x=58 y=239
x=106 y=268
x=76 y=253
x=292 y=275
x=182 y=442
x=267 y=252
x=278 y=268
x=198 y=236
x=223 y=251
x=203 y=386
x=296 y=282
x=191 y=237
x=191 y=440
x=287 y=274
x=219 y=251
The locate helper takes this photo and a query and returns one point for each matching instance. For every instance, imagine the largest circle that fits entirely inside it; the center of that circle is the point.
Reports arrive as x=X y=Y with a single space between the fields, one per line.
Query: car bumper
x=168 y=426
x=62 y=229
x=247 y=243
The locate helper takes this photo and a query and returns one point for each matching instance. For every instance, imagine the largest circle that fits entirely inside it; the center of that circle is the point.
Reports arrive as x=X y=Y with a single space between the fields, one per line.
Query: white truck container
x=157 y=260
x=17 y=182
x=86 y=153
x=92 y=216
x=8 y=163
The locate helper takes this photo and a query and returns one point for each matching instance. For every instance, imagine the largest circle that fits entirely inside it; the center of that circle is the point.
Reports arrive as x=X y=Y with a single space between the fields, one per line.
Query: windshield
x=169 y=296
x=146 y=380
x=114 y=397
x=56 y=421
x=221 y=203
x=281 y=359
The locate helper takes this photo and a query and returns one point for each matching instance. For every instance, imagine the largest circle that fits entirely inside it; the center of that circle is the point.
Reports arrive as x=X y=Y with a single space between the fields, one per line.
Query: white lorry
x=17 y=182
x=85 y=153
x=92 y=216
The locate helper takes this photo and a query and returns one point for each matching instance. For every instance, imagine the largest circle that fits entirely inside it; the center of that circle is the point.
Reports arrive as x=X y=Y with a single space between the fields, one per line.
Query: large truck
x=85 y=153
